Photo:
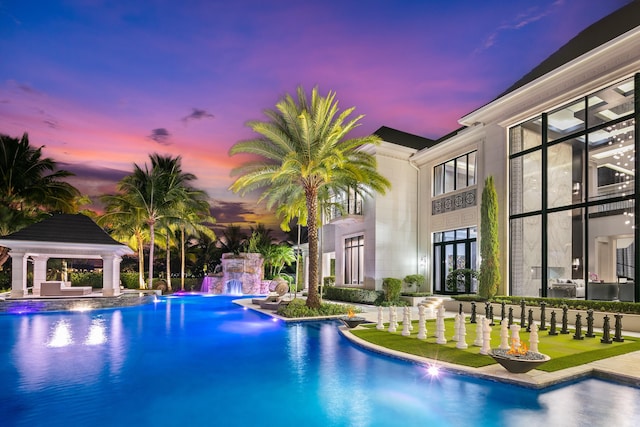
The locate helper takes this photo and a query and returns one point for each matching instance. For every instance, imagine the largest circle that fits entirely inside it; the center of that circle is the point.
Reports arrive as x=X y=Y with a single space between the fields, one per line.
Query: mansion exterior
x=561 y=147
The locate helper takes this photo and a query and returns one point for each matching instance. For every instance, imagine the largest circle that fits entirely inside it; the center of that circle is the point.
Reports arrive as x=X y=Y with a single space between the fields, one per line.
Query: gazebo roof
x=65 y=233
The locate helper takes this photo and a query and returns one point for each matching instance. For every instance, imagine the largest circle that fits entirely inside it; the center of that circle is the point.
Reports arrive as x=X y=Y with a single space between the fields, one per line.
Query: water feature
x=203 y=361
x=233 y=287
x=245 y=268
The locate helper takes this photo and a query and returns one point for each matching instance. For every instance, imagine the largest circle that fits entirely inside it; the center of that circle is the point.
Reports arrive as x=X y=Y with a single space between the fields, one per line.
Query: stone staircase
x=432 y=304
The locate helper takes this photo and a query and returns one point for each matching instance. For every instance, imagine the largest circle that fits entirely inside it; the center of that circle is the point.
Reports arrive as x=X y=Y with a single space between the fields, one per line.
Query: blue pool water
x=204 y=361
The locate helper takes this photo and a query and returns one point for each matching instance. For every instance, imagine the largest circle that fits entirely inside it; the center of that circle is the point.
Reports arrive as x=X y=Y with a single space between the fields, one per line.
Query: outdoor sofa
x=60 y=288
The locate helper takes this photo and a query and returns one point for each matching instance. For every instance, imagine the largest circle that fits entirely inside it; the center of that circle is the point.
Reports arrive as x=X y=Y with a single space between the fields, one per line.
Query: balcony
x=346 y=212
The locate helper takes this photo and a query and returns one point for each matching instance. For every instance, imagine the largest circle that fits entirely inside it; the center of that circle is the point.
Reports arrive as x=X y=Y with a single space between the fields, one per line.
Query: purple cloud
x=197 y=114
x=161 y=136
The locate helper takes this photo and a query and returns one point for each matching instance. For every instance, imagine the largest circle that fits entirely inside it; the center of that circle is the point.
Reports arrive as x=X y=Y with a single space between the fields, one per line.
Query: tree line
x=301 y=156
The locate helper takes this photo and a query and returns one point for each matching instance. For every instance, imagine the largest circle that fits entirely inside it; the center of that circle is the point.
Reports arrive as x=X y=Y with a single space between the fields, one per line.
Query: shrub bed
x=298 y=308
x=86 y=279
x=356 y=295
x=129 y=280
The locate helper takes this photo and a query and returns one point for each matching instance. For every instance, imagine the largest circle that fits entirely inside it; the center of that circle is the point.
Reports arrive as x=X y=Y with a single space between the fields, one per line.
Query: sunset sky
x=104 y=83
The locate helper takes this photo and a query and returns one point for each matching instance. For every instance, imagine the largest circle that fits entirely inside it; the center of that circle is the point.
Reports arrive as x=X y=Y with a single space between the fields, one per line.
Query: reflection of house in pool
x=241 y=274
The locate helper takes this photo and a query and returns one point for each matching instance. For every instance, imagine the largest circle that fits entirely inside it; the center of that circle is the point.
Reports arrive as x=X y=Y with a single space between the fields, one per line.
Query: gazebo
x=63 y=236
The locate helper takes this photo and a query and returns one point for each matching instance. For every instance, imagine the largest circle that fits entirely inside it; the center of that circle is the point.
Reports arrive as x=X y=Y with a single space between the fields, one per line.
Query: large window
x=572 y=194
x=354 y=260
x=453 y=250
x=455 y=174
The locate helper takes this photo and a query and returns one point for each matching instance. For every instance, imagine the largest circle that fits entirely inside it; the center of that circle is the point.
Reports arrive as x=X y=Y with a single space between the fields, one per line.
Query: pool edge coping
x=534 y=379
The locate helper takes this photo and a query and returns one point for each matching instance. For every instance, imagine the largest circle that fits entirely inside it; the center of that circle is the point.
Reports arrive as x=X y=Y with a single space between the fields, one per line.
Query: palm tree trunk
x=141 y=283
x=313 y=301
x=152 y=242
x=168 y=262
x=182 y=258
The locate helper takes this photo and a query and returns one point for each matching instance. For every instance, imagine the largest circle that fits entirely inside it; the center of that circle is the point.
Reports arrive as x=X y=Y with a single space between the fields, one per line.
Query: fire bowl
x=519 y=364
x=354 y=321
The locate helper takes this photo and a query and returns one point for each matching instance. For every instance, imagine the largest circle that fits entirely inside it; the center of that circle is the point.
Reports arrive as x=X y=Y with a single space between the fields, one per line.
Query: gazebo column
x=39 y=272
x=18 y=274
x=111 y=275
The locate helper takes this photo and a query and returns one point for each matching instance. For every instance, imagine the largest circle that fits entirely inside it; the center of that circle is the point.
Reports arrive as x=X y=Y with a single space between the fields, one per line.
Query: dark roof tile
x=403 y=138
x=65 y=228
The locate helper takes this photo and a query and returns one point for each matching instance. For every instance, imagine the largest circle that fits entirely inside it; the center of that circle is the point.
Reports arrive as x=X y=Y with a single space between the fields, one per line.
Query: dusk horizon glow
x=103 y=84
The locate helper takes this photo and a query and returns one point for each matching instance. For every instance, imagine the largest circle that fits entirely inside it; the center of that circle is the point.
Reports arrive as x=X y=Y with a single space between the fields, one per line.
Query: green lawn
x=565 y=352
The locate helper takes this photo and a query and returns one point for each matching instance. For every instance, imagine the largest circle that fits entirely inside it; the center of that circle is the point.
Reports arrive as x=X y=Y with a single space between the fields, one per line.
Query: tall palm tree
x=30 y=187
x=303 y=153
x=127 y=224
x=30 y=182
x=194 y=215
x=156 y=191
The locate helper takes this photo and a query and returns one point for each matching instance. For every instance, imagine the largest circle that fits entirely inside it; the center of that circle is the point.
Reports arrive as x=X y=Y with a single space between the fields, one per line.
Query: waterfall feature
x=237 y=275
x=233 y=287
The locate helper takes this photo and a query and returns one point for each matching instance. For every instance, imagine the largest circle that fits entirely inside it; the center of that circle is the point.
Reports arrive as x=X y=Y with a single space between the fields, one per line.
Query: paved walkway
x=624 y=368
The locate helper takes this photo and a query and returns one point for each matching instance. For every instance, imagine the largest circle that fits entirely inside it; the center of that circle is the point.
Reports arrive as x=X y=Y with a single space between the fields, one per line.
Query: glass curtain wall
x=573 y=216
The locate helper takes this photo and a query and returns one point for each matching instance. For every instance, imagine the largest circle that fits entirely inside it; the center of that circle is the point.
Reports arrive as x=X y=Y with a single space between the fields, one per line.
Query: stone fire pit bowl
x=518 y=364
x=354 y=321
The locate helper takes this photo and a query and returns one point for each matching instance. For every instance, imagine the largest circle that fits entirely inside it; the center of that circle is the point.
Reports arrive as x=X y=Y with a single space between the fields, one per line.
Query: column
x=39 y=272
x=111 y=275
x=18 y=274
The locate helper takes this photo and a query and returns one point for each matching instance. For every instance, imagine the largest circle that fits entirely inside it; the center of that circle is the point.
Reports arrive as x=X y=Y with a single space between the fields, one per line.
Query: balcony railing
x=350 y=210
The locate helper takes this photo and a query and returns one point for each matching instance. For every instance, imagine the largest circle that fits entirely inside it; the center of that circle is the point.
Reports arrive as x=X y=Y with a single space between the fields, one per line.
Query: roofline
x=71 y=250
x=565 y=70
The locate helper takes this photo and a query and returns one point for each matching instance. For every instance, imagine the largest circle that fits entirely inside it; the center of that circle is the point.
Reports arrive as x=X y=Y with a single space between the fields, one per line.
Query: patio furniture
x=60 y=288
x=273 y=305
x=626 y=291
x=566 y=288
x=602 y=291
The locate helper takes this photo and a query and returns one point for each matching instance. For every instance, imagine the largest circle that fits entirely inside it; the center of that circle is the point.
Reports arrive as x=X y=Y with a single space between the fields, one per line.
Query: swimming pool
x=204 y=361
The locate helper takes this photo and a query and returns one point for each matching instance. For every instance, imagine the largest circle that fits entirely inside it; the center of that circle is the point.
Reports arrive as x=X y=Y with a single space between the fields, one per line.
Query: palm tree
x=304 y=153
x=30 y=182
x=193 y=222
x=233 y=239
x=156 y=192
x=260 y=239
x=276 y=257
x=127 y=224
x=30 y=187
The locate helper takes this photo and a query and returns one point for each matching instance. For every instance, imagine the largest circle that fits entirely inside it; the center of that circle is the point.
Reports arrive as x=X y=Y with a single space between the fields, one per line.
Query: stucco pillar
x=39 y=272
x=18 y=274
x=111 y=275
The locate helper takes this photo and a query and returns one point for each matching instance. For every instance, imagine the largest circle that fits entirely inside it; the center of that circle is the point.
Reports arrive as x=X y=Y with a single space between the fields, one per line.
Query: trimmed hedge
x=392 y=288
x=574 y=304
x=129 y=280
x=86 y=279
x=357 y=295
